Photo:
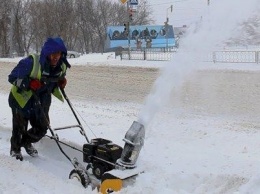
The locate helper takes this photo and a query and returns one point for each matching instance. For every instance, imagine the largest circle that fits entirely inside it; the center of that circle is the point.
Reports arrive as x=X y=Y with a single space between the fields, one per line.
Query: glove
x=35 y=84
x=22 y=83
x=62 y=83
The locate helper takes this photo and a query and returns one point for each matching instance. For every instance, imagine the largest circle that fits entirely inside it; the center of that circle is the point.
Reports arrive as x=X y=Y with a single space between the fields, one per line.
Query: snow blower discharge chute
x=109 y=166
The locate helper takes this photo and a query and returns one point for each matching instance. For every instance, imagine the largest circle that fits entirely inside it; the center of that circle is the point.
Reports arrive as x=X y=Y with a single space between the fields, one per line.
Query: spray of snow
x=200 y=39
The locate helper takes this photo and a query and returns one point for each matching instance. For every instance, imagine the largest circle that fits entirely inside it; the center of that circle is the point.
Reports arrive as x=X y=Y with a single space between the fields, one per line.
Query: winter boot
x=30 y=150
x=17 y=154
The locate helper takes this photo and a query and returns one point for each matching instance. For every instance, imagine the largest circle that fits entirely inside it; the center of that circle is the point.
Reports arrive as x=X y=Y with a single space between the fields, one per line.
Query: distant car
x=73 y=54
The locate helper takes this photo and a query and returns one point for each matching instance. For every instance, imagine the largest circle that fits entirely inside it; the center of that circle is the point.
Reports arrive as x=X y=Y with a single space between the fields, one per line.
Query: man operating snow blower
x=34 y=79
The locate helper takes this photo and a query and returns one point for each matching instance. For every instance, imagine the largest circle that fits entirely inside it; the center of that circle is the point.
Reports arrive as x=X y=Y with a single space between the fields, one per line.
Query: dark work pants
x=39 y=122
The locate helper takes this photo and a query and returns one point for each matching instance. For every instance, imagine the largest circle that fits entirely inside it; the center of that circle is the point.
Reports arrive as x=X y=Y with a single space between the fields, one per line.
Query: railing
x=235 y=56
x=151 y=54
x=216 y=56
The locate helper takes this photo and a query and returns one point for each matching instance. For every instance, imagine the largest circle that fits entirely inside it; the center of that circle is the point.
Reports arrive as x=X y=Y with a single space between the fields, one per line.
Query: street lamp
x=167 y=18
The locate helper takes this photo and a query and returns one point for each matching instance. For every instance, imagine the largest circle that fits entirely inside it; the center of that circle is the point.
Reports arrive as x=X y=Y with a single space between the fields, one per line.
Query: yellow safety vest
x=23 y=97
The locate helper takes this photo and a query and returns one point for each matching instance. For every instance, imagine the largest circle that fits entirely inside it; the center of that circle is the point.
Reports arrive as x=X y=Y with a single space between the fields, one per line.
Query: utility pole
x=130 y=10
x=128 y=28
x=166 y=25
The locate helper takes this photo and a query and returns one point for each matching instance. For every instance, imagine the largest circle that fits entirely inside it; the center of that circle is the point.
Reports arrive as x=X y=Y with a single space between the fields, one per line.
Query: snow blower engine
x=103 y=155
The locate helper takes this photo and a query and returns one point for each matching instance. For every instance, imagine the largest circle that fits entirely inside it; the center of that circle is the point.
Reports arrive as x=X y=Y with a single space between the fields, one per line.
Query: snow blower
x=109 y=166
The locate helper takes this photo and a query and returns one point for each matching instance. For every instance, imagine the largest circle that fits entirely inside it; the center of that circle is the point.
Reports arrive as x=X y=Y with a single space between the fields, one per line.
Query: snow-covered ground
x=202 y=122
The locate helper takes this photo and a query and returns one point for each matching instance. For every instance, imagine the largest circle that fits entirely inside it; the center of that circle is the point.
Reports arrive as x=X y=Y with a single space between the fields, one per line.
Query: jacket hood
x=53 y=45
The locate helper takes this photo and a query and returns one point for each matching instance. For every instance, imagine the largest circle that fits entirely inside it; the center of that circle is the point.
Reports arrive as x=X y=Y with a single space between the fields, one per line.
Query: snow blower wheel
x=99 y=170
x=80 y=176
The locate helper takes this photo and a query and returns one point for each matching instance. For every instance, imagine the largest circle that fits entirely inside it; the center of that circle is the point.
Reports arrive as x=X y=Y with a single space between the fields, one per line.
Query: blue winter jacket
x=20 y=75
x=24 y=67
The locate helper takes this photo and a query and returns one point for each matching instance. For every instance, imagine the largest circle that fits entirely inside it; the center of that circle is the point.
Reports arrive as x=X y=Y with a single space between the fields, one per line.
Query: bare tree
x=5 y=22
x=20 y=26
x=142 y=16
x=80 y=23
x=84 y=10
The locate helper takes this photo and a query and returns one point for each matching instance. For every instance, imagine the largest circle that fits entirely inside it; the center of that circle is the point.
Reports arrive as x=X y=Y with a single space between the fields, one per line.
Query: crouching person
x=34 y=80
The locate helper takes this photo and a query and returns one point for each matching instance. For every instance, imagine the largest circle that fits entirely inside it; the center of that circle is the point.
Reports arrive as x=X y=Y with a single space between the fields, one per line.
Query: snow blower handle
x=55 y=137
x=70 y=105
x=82 y=131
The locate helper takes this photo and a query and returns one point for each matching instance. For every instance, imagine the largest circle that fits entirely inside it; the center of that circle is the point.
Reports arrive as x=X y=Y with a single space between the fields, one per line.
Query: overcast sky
x=184 y=11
